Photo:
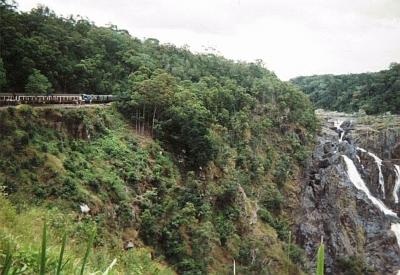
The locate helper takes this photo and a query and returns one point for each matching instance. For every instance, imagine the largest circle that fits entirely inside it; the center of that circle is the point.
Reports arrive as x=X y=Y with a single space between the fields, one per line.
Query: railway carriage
x=15 y=99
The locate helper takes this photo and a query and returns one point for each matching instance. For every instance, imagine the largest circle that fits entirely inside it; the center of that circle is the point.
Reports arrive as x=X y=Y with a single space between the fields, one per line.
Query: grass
x=42 y=270
x=89 y=247
x=30 y=246
x=60 y=263
x=320 y=258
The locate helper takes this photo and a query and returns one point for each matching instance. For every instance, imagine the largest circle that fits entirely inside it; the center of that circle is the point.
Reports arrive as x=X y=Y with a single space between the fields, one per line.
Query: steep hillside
x=199 y=161
x=372 y=92
x=53 y=160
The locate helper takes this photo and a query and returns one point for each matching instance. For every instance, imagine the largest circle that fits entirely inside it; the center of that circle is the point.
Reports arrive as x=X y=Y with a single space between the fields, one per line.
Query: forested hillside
x=198 y=163
x=372 y=92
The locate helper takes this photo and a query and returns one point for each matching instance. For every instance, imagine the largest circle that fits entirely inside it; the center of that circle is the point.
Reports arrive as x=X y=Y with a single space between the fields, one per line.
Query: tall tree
x=3 y=79
x=37 y=83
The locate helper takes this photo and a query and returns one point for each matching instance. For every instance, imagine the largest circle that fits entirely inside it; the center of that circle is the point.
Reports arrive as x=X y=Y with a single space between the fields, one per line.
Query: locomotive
x=15 y=99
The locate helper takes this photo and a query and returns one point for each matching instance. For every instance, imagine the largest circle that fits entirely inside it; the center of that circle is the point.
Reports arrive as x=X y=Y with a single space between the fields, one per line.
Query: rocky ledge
x=353 y=210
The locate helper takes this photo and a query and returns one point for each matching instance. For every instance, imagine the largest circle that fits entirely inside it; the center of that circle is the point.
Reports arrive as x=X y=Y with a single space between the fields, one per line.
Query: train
x=16 y=99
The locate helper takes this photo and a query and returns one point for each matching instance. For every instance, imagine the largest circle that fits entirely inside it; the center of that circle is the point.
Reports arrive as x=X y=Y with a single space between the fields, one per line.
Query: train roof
x=23 y=94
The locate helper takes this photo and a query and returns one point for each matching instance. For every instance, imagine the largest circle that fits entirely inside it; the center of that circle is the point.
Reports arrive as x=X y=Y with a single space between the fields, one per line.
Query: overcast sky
x=293 y=37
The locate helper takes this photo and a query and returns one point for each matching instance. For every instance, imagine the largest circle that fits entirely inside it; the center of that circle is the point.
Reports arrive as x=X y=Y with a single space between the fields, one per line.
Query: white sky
x=293 y=37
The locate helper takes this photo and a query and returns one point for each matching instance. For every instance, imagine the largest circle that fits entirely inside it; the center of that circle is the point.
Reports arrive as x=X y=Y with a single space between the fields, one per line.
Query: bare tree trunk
x=144 y=118
x=152 y=123
x=136 y=126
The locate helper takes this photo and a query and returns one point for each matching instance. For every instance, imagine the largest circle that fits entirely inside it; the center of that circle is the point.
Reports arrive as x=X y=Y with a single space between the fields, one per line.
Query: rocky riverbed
x=349 y=195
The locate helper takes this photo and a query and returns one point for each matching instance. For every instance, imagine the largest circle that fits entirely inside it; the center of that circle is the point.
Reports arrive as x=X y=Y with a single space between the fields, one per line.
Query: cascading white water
x=337 y=124
x=359 y=183
x=378 y=162
x=397 y=184
x=361 y=149
x=395 y=227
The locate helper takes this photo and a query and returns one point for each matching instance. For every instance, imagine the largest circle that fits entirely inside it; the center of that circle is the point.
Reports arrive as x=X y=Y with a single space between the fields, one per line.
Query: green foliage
x=88 y=249
x=196 y=142
x=27 y=247
x=271 y=198
x=281 y=226
x=3 y=79
x=371 y=92
x=184 y=216
x=37 y=83
x=283 y=170
x=60 y=263
x=42 y=270
x=353 y=265
x=187 y=130
x=320 y=259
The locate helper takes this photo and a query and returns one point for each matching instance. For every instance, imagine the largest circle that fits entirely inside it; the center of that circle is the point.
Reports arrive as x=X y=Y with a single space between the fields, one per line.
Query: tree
x=38 y=83
x=3 y=79
x=186 y=127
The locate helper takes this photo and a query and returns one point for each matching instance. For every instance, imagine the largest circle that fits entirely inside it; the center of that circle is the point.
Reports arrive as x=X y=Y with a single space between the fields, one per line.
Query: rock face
x=73 y=125
x=332 y=207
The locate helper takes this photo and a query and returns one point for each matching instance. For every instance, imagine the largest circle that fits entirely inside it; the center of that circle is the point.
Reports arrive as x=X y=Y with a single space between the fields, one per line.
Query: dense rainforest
x=198 y=165
x=373 y=93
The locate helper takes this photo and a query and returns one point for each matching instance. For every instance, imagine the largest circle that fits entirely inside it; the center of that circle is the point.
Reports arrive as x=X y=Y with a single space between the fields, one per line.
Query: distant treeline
x=374 y=93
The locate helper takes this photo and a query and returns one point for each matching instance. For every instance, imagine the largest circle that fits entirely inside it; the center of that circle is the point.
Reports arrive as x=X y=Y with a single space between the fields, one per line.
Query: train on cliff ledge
x=32 y=99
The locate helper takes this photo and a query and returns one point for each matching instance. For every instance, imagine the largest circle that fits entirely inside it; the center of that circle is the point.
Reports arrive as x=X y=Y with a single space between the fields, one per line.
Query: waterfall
x=337 y=124
x=378 y=162
x=395 y=227
x=397 y=184
x=359 y=183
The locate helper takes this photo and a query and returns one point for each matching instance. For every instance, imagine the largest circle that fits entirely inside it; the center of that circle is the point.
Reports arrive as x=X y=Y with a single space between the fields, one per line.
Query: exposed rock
x=84 y=208
x=332 y=207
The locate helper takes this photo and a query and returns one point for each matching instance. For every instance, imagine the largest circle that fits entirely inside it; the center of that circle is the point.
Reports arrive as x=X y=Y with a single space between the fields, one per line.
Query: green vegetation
x=354 y=265
x=195 y=162
x=37 y=83
x=3 y=80
x=321 y=259
x=372 y=92
x=25 y=250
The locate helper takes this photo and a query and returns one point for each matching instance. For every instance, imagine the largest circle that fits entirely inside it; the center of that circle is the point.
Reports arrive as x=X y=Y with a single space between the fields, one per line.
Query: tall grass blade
x=60 y=259
x=42 y=270
x=320 y=258
x=288 y=251
x=89 y=246
x=107 y=271
x=7 y=262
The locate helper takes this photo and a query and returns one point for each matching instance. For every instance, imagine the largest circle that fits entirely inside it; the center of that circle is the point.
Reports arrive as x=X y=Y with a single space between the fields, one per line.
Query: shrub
x=281 y=226
x=271 y=198
x=354 y=265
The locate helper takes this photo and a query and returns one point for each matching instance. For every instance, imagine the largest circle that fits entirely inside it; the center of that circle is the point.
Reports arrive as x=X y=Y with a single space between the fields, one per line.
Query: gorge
x=350 y=195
